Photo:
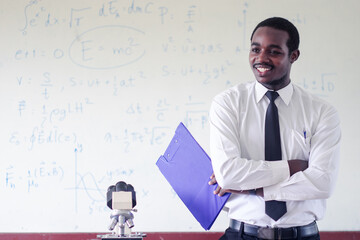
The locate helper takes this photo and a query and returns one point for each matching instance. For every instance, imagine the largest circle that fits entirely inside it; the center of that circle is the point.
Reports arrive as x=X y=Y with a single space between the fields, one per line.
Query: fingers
x=217 y=190
x=212 y=179
x=222 y=192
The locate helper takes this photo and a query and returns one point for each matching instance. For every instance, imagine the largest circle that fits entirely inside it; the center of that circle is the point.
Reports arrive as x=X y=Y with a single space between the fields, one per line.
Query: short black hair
x=285 y=25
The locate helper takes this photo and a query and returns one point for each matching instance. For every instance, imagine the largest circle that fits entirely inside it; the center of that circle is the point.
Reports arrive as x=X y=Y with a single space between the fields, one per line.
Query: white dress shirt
x=309 y=130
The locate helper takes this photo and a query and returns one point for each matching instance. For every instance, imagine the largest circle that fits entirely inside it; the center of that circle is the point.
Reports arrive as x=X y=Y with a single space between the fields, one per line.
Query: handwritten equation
x=37 y=13
x=323 y=85
x=34 y=177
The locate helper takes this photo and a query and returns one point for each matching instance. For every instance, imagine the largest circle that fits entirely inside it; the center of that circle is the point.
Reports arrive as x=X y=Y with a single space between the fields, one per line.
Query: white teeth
x=263 y=69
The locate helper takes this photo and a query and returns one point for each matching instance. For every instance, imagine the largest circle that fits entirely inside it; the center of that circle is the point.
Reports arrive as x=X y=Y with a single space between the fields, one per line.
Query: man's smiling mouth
x=263 y=68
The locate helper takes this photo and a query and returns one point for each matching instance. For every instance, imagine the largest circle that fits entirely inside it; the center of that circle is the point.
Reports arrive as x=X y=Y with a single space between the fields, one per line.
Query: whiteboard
x=91 y=93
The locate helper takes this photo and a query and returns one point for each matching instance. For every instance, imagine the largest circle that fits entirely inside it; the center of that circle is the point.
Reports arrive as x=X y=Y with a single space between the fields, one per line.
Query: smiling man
x=274 y=146
x=271 y=58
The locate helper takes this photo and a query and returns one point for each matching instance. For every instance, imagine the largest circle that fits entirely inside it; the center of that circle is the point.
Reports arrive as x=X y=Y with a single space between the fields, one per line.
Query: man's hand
x=297 y=165
x=219 y=191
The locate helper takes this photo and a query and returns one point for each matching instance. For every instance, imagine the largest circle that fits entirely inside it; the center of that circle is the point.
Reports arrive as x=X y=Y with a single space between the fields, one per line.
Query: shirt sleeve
x=230 y=169
x=318 y=180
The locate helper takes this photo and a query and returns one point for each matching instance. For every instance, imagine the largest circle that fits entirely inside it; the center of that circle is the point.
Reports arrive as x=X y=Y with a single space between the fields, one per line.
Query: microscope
x=121 y=199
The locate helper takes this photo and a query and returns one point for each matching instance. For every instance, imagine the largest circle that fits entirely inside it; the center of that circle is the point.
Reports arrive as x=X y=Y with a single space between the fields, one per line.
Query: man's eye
x=275 y=52
x=255 y=50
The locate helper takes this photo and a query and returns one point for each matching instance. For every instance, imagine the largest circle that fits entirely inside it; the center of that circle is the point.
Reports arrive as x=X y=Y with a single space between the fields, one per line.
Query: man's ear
x=294 y=55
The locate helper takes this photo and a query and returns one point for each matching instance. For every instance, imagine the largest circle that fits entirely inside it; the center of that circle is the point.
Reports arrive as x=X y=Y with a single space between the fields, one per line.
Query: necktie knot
x=272 y=95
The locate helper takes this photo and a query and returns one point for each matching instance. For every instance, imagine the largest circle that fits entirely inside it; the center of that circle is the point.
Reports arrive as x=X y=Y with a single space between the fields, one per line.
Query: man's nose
x=263 y=57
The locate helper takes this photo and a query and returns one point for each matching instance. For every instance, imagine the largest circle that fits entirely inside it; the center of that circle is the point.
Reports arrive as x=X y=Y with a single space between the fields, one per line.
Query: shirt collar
x=285 y=93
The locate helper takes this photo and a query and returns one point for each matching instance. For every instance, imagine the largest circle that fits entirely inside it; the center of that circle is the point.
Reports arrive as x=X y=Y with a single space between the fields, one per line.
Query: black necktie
x=275 y=209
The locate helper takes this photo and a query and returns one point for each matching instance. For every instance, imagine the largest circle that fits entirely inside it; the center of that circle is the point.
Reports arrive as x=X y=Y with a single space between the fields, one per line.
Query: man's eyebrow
x=275 y=46
x=270 y=46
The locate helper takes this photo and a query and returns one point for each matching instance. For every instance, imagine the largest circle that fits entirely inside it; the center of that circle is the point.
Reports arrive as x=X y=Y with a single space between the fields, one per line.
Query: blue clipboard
x=187 y=168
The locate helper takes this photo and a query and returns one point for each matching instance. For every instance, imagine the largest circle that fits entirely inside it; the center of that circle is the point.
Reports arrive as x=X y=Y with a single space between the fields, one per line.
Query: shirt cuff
x=282 y=174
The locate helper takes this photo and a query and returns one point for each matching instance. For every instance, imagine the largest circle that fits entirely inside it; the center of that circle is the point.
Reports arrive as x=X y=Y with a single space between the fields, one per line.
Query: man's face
x=269 y=57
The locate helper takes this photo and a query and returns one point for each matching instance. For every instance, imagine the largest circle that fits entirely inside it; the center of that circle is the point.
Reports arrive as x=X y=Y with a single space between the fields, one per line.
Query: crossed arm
x=295 y=166
x=312 y=174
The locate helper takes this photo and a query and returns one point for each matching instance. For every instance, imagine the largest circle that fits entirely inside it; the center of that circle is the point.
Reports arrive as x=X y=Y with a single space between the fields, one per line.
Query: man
x=302 y=174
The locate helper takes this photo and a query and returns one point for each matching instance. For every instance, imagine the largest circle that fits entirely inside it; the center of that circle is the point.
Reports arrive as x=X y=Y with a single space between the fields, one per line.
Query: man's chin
x=264 y=80
x=274 y=84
